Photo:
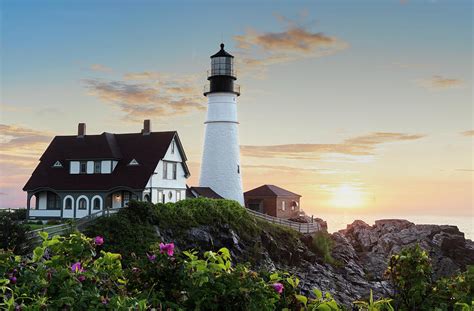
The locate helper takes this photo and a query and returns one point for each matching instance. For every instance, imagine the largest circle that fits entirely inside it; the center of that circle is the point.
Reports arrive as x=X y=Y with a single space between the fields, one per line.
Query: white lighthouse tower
x=220 y=167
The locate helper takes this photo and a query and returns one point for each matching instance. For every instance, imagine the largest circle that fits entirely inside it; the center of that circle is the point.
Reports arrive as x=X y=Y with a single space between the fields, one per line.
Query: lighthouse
x=220 y=166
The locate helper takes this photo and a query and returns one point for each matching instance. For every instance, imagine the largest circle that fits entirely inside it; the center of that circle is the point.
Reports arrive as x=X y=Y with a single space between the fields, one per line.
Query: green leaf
x=318 y=293
x=43 y=235
x=302 y=299
x=38 y=253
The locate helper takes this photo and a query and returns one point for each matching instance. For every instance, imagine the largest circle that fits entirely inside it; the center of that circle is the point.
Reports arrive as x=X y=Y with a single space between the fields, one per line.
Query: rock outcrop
x=361 y=253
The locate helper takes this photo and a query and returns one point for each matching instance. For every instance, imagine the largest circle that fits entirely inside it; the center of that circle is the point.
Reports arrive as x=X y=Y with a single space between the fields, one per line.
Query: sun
x=347 y=196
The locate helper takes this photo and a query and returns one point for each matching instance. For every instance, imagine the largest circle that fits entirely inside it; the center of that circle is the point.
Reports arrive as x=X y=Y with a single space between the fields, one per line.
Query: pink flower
x=76 y=267
x=99 y=240
x=151 y=257
x=278 y=287
x=81 y=278
x=167 y=248
x=104 y=300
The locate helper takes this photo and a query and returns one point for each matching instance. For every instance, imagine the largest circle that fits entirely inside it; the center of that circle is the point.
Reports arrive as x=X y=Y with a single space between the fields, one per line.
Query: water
x=340 y=221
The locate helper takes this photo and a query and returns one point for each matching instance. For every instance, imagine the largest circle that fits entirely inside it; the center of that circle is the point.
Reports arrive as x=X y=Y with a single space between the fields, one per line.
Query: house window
x=165 y=170
x=283 y=205
x=53 y=201
x=147 y=198
x=82 y=204
x=126 y=198
x=175 y=168
x=172 y=147
x=68 y=204
x=96 y=204
x=161 y=197
x=170 y=195
x=97 y=167
x=83 y=167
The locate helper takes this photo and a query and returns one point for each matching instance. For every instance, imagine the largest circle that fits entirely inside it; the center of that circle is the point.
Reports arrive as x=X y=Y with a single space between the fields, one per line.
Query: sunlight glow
x=347 y=196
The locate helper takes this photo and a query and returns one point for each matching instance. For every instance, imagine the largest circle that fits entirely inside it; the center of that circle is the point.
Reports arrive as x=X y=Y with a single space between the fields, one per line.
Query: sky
x=359 y=106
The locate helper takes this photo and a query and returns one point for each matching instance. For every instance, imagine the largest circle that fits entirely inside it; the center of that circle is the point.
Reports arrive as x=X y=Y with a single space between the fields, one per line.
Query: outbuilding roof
x=270 y=191
x=147 y=150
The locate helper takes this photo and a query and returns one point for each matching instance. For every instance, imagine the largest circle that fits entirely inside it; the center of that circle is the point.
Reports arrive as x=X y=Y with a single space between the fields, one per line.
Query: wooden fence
x=298 y=226
x=34 y=239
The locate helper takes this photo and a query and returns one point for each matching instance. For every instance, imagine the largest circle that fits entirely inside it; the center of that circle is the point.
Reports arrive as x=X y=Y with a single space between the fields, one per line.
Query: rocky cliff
x=361 y=252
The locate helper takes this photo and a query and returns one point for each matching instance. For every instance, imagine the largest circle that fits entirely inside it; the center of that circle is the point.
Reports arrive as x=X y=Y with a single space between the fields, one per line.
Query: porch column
x=28 y=198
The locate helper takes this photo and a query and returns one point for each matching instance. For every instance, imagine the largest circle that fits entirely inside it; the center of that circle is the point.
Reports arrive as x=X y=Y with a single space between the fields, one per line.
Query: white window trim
x=87 y=203
x=64 y=202
x=101 y=202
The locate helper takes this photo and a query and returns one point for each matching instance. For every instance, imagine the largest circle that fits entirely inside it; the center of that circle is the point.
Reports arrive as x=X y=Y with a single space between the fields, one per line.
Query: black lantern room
x=222 y=76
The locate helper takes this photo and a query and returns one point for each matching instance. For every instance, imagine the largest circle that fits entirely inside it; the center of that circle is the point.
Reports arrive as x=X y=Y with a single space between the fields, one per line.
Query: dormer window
x=83 y=167
x=57 y=164
x=133 y=162
x=97 y=167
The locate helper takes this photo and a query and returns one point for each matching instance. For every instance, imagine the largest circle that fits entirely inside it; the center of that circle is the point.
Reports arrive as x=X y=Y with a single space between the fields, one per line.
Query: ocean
x=465 y=224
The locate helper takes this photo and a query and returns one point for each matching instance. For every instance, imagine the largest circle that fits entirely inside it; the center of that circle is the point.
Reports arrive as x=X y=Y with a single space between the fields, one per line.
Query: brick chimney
x=81 y=130
x=146 y=127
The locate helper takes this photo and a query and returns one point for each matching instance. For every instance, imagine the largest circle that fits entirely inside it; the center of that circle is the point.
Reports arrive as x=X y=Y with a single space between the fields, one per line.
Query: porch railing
x=34 y=239
x=301 y=227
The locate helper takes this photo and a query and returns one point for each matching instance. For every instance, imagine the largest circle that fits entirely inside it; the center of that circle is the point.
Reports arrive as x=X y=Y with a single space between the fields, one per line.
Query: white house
x=83 y=174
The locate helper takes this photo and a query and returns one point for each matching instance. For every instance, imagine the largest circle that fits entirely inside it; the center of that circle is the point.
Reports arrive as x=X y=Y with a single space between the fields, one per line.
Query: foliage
x=382 y=304
x=74 y=273
x=457 y=290
x=410 y=274
x=12 y=233
x=322 y=245
x=133 y=229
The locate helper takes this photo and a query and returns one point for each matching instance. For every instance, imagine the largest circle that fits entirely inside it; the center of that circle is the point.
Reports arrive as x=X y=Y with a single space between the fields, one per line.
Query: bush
x=12 y=233
x=74 y=273
x=410 y=274
x=322 y=245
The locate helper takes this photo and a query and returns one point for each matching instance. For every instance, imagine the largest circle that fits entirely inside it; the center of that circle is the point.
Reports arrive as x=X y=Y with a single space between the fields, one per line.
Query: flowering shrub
x=74 y=273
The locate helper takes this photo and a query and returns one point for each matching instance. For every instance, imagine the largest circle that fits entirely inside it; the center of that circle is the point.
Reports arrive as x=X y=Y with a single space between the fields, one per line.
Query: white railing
x=45 y=213
x=298 y=226
x=34 y=239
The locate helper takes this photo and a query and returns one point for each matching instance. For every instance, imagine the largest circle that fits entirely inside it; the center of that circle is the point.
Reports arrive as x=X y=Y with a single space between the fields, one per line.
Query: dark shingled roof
x=206 y=192
x=148 y=150
x=270 y=191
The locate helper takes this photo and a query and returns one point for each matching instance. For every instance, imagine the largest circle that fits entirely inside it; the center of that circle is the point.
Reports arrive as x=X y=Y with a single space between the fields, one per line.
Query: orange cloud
x=468 y=133
x=438 y=82
x=357 y=146
x=163 y=98
x=257 y=49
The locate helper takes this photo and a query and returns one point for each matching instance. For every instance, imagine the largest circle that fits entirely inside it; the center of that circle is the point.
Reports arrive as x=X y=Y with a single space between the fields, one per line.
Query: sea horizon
x=339 y=221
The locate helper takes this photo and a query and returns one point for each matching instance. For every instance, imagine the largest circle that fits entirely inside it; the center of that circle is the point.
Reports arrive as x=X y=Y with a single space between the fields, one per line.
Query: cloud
x=21 y=140
x=100 y=68
x=438 y=82
x=468 y=133
x=260 y=49
x=364 y=145
x=167 y=96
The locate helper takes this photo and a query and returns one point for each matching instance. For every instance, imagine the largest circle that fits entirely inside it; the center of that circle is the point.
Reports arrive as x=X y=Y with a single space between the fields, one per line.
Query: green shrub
x=12 y=233
x=74 y=273
x=322 y=245
x=410 y=274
